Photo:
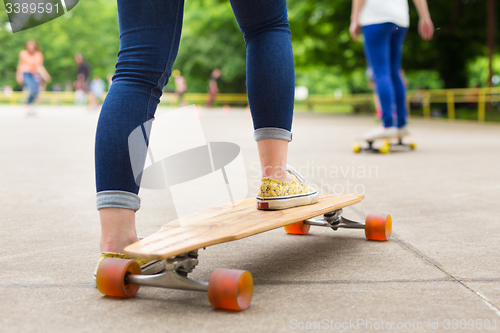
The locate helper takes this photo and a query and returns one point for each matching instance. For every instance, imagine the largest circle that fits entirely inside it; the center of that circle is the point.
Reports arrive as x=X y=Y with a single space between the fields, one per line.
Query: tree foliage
x=325 y=56
x=83 y=30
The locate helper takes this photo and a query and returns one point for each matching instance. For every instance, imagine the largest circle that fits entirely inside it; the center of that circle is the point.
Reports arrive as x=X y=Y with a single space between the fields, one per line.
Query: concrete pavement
x=441 y=265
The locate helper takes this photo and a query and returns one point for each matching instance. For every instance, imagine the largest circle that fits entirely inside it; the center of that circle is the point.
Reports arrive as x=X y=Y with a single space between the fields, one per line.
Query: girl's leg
x=397 y=42
x=32 y=85
x=377 y=48
x=270 y=79
x=271 y=88
x=149 y=39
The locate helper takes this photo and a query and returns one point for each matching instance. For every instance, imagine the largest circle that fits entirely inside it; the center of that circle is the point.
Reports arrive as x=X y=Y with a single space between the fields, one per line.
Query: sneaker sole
x=153 y=267
x=278 y=203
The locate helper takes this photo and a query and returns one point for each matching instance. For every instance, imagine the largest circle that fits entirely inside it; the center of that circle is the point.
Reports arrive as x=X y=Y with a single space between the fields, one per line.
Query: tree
x=94 y=33
x=460 y=38
x=320 y=36
x=210 y=39
x=325 y=56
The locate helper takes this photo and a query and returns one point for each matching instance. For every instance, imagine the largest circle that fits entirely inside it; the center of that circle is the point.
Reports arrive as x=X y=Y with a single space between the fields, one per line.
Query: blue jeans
x=150 y=32
x=383 y=49
x=30 y=82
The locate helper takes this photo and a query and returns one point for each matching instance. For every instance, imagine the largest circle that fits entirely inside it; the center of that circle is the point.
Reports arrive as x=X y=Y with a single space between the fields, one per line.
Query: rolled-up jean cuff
x=118 y=199
x=272 y=133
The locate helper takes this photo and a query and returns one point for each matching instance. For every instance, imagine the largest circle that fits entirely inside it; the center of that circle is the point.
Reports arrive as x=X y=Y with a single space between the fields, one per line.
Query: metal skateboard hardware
x=386 y=148
x=228 y=289
x=335 y=221
x=174 y=275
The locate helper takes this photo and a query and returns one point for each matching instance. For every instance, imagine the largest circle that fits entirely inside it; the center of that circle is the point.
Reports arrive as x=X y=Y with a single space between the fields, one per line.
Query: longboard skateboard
x=227 y=289
x=387 y=147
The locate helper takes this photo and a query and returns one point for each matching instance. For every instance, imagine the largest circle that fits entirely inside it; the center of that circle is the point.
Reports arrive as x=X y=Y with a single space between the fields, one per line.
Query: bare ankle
x=273 y=157
x=116 y=245
x=117 y=229
x=277 y=173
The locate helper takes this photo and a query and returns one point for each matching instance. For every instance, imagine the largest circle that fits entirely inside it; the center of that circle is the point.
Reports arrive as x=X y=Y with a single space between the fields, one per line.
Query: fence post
x=450 y=100
x=427 y=104
x=481 y=106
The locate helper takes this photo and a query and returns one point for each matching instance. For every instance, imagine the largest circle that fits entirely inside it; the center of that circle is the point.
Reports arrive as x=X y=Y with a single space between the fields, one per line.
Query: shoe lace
x=297 y=175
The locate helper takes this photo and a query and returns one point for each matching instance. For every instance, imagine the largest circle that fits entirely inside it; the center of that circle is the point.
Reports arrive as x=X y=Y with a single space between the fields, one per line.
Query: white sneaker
x=381 y=133
x=403 y=131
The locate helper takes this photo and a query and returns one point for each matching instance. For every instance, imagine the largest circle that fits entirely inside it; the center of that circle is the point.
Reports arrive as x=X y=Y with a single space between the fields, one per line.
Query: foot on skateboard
x=274 y=195
x=227 y=289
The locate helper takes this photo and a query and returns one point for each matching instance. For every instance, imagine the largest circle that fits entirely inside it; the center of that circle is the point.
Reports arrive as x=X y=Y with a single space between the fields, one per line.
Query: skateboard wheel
x=413 y=146
x=378 y=227
x=112 y=275
x=385 y=149
x=356 y=148
x=230 y=289
x=298 y=228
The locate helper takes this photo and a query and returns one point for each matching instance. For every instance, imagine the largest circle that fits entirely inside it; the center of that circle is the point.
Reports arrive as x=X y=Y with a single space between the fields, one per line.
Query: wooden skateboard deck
x=229 y=289
x=238 y=222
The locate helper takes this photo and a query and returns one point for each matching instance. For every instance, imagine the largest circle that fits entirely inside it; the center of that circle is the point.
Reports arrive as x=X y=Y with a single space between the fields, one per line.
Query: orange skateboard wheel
x=378 y=227
x=112 y=274
x=230 y=289
x=298 y=228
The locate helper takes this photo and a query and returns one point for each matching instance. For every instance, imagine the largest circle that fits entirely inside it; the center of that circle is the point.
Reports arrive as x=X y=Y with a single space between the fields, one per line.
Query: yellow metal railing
x=481 y=96
x=68 y=97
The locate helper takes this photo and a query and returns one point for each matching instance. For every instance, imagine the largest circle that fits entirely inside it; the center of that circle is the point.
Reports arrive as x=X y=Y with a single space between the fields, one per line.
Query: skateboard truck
x=334 y=220
x=174 y=276
x=377 y=226
x=229 y=289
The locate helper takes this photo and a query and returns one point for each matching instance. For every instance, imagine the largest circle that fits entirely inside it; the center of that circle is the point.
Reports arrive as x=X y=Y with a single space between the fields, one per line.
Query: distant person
x=97 y=88
x=180 y=87
x=213 y=88
x=29 y=68
x=7 y=91
x=80 y=94
x=384 y=24
x=83 y=69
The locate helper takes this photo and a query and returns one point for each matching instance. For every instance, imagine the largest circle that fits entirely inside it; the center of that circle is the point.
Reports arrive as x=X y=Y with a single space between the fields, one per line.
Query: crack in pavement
x=277 y=282
x=419 y=254
x=403 y=244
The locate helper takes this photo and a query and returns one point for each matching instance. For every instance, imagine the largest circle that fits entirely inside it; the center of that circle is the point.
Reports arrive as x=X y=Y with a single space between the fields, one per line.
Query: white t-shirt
x=383 y=11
